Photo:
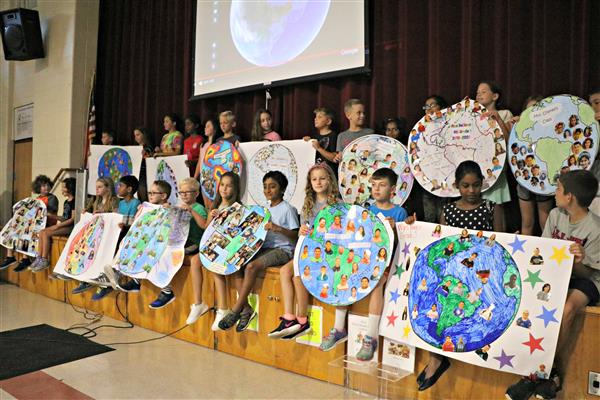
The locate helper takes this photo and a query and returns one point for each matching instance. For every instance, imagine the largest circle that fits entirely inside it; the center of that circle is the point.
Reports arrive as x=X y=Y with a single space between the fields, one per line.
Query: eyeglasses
x=429 y=106
x=189 y=192
x=153 y=193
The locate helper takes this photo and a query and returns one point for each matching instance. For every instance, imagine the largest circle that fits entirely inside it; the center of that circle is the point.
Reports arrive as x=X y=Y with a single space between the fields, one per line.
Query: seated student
x=324 y=139
x=41 y=185
x=570 y=220
x=63 y=228
x=354 y=109
x=383 y=183
x=227 y=122
x=277 y=249
x=262 y=127
x=104 y=202
x=128 y=206
x=321 y=191
x=159 y=195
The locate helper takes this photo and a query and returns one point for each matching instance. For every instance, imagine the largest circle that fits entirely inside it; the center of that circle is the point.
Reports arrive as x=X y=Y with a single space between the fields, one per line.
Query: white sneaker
x=197 y=310
x=218 y=317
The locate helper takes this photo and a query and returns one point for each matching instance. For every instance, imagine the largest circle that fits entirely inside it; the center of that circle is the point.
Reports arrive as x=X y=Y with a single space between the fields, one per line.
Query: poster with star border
x=490 y=299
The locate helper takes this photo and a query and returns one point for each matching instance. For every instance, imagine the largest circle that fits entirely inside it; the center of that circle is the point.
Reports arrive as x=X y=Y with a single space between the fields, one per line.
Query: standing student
x=489 y=95
x=321 y=191
x=570 y=220
x=324 y=139
x=104 y=202
x=471 y=211
x=262 y=127
x=63 y=228
x=193 y=142
x=396 y=129
x=212 y=132
x=529 y=201
x=227 y=121
x=171 y=143
x=277 y=249
x=228 y=193
x=594 y=99
x=354 y=109
x=432 y=204
x=143 y=139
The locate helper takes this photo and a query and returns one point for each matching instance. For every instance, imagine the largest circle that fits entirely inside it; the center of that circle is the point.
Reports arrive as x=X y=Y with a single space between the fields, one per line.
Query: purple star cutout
x=517 y=245
x=547 y=316
x=406 y=249
x=505 y=359
x=395 y=296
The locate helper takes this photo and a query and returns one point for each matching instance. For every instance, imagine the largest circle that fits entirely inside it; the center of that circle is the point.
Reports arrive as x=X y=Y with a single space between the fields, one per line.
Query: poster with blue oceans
x=233 y=237
x=169 y=169
x=113 y=162
x=366 y=155
x=489 y=299
x=21 y=232
x=220 y=157
x=153 y=249
x=557 y=134
x=291 y=157
x=345 y=255
x=439 y=142
x=91 y=246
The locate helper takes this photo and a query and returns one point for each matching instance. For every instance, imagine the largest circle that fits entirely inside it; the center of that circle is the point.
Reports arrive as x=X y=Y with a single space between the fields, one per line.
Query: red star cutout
x=534 y=344
x=392 y=319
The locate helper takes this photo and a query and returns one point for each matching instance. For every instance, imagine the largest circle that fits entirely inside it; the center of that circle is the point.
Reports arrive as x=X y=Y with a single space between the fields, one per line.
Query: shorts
x=527 y=195
x=272 y=257
x=587 y=287
x=191 y=248
x=499 y=192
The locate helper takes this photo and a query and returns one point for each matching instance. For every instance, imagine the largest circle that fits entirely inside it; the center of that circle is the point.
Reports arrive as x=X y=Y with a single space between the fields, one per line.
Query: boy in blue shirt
x=383 y=186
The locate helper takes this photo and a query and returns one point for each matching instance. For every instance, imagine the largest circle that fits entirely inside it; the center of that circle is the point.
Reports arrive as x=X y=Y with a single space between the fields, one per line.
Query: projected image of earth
x=284 y=30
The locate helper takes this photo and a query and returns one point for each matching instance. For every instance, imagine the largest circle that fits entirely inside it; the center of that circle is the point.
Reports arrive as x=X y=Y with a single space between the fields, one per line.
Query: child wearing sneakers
x=383 y=187
x=321 y=191
x=277 y=249
x=63 y=228
x=570 y=220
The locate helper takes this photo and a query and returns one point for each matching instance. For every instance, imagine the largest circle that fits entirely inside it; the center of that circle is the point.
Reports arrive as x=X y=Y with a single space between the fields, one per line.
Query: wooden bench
x=462 y=381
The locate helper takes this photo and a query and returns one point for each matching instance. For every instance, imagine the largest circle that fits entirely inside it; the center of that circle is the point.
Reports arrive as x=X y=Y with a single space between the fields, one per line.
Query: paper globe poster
x=489 y=299
x=220 y=157
x=233 y=237
x=439 y=143
x=366 y=155
x=555 y=135
x=21 y=232
x=169 y=169
x=113 y=162
x=154 y=247
x=91 y=246
x=345 y=255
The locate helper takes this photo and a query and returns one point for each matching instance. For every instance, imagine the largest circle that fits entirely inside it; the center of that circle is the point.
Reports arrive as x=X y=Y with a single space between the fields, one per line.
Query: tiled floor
x=163 y=369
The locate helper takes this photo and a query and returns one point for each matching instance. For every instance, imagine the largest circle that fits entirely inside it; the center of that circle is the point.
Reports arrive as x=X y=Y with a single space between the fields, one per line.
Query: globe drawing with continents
x=271 y=33
x=115 y=163
x=464 y=292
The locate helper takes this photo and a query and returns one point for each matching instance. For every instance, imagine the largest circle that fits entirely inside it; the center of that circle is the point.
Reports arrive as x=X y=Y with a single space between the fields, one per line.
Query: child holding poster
x=383 y=183
x=570 y=220
x=354 y=109
x=262 y=127
x=321 y=191
x=324 y=139
x=277 y=249
x=471 y=211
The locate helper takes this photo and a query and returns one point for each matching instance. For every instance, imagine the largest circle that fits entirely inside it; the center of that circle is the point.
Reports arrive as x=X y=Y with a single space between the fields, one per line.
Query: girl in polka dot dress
x=471 y=211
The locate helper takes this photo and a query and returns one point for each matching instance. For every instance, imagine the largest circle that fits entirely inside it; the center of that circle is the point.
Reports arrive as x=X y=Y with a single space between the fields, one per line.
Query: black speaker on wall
x=21 y=34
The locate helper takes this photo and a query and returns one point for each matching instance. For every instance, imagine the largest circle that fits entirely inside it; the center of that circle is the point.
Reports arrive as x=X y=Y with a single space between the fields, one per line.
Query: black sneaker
x=521 y=390
x=130 y=286
x=286 y=327
x=23 y=265
x=229 y=320
x=246 y=317
x=8 y=261
x=82 y=288
x=304 y=329
x=164 y=298
x=101 y=293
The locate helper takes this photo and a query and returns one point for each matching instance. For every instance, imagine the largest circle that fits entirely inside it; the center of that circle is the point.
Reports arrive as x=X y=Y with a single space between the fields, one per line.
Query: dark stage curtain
x=418 y=48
